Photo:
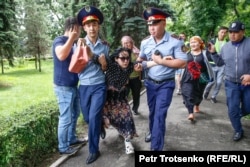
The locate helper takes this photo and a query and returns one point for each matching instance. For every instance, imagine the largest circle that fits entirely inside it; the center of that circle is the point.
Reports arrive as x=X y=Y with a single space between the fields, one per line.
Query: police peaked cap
x=89 y=13
x=152 y=14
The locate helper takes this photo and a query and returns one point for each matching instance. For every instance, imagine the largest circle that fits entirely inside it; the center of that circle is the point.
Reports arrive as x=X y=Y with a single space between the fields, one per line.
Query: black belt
x=236 y=83
x=160 y=82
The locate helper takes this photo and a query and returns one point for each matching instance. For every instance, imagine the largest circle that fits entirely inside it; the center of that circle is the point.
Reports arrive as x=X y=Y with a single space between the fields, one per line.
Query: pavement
x=211 y=131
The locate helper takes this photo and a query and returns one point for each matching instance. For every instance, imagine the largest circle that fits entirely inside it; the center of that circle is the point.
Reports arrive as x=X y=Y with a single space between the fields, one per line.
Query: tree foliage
x=36 y=39
x=7 y=32
x=121 y=17
x=204 y=17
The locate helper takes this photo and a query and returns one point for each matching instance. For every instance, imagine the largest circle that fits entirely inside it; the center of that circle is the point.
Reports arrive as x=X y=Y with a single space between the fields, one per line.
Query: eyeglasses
x=124 y=58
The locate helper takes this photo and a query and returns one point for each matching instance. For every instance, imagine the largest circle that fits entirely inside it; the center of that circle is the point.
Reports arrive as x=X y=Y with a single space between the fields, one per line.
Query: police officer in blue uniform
x=92 y=79
x=160 y=55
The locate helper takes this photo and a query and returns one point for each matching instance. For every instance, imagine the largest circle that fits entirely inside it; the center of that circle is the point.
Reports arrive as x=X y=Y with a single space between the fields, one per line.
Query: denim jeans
x=69 y=108
x=238 y=103
x=218 y=74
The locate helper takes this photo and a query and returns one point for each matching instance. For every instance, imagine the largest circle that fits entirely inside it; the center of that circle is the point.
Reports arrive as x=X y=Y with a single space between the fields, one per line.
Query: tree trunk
x=36 y=62
x=2 y=65
x=39 y=62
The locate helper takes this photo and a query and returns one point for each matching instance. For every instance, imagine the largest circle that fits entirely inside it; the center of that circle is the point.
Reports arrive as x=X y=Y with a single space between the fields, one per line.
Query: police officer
x=92 y=79
x=160 y=55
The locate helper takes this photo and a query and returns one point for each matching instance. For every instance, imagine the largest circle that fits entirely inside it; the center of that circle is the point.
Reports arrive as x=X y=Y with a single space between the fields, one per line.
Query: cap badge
x=149 y=10
x=87 y=8
x=233 y=25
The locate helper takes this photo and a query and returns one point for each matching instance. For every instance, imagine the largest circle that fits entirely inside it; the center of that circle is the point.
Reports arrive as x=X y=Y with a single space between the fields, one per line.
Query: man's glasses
x=124 y=58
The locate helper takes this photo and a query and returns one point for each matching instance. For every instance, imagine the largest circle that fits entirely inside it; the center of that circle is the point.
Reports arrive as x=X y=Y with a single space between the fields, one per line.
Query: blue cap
x=89 y=13
x=236 y=26
x=154 y=15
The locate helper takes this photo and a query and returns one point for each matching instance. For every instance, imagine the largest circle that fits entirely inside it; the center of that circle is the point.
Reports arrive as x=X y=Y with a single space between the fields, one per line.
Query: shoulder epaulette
x=105 y=42
x=175 y=36
x=146 y=38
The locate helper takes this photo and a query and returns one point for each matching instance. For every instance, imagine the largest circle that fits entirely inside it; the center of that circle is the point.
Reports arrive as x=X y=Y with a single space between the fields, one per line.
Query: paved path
x=212 y=131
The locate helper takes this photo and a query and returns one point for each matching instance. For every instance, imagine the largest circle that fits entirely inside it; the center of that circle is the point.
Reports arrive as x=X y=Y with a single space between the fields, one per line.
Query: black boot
x=103 y=132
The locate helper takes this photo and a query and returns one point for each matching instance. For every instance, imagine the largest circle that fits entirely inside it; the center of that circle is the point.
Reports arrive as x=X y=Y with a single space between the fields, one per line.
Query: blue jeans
x=218 y=74
x=238 y=103
x=69 y=108
x=92 y=100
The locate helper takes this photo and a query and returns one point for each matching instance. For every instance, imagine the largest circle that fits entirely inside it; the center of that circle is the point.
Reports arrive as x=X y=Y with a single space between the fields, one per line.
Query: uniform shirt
x=62 y=76
x=167 y=46
x=93 y=74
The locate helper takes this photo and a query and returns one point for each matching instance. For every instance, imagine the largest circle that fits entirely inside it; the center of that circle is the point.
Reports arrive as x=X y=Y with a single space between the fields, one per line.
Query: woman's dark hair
x=69 y=23
x=118 y=51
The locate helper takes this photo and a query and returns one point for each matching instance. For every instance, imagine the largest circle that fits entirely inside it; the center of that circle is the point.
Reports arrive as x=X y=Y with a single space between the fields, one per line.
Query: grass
x=23 y=86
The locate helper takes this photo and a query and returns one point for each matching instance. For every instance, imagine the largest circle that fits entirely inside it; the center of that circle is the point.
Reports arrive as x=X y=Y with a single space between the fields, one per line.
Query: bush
x=26 y=137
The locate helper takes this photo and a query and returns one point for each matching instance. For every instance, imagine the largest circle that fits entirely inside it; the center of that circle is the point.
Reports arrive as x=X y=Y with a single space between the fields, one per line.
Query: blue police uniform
x=160 y=82
x=92 y=86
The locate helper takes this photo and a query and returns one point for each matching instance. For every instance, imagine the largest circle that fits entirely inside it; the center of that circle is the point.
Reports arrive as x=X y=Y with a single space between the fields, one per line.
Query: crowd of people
x=100 y=91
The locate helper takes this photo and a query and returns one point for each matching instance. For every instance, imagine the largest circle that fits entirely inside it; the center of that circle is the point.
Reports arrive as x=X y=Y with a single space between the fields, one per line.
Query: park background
x=27 y=29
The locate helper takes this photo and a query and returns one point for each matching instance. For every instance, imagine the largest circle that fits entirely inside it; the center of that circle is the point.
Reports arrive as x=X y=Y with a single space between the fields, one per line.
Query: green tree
x=37 y=42
x=7 y=32
x=203 y=18
x=124 y=17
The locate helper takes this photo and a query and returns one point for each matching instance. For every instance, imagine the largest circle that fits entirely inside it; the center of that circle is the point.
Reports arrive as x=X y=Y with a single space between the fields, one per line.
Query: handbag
x=204 y=78
x=80 y=58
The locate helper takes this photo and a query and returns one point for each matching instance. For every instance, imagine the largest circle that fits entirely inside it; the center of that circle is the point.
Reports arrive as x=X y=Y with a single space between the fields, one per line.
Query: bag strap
x=209 y=68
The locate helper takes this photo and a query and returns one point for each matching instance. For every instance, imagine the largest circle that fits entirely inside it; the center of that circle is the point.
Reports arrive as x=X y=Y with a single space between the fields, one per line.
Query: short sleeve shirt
x=93 y=74
x=167 y=46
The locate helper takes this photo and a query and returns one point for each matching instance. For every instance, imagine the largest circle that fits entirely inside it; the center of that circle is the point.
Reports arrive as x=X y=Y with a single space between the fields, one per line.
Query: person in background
x=179 y=71
x=160 y=55
x=117 y=110
x=192 y=87
x=65 y=87
x=92 y=86
x=235 y=55
x=134 y=83
x=218 y=71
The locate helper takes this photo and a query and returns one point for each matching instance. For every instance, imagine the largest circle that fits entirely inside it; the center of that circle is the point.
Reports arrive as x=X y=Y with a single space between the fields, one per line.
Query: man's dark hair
x=69 y=23
x=223 y=28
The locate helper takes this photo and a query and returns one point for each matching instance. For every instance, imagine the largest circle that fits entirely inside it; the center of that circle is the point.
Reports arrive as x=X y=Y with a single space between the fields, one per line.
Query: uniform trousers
x=159 y=97
x=92 y=100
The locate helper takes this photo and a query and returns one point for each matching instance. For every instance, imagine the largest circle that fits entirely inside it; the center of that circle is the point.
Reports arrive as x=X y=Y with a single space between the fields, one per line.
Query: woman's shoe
x=128 y=147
